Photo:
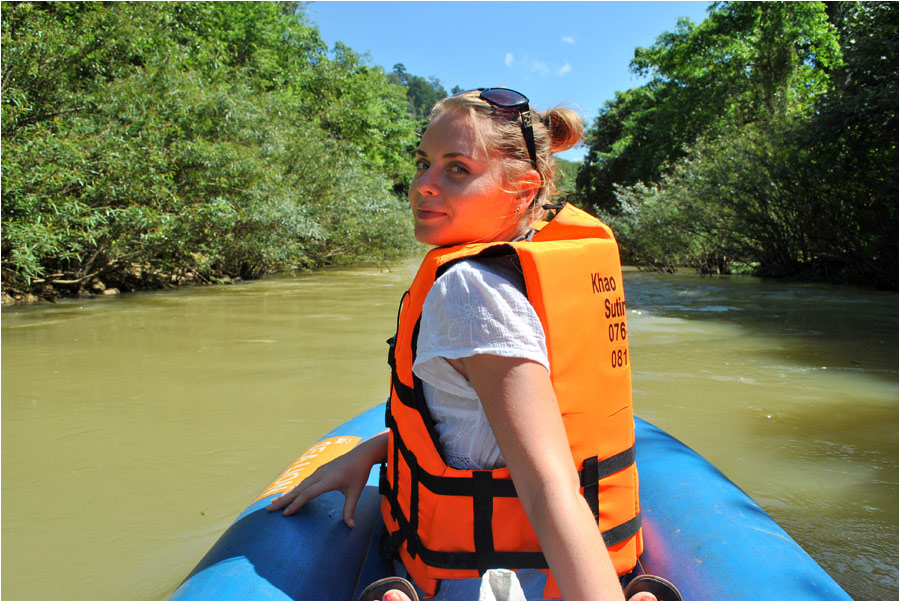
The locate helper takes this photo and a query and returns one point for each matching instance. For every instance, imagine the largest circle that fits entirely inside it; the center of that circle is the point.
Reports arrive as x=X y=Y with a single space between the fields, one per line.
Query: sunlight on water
x=136 y=428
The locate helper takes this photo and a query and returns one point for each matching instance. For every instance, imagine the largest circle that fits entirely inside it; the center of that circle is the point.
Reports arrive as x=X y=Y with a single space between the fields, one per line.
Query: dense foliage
x=148 y=143
x=566 y=173
x=765 y=140
x=421 y=93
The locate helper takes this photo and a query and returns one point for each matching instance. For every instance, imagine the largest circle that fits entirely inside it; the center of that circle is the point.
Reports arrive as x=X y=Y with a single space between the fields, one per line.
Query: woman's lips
x=428 y=214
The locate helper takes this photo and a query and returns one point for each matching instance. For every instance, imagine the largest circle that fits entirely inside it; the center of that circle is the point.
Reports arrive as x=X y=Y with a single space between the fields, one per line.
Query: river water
x=134 y=429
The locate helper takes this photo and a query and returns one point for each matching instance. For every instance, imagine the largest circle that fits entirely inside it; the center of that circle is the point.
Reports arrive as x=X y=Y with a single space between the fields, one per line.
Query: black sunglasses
x=510 y=99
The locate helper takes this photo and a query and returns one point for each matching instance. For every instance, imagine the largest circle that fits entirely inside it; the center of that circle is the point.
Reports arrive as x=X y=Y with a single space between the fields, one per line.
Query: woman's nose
x=426 y=182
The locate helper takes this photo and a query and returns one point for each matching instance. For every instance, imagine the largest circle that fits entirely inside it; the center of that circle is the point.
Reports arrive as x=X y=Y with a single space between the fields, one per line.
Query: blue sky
x=575 y=53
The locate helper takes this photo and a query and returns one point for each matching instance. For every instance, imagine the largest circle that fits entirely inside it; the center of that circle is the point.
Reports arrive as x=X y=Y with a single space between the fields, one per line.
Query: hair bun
x=565 y=127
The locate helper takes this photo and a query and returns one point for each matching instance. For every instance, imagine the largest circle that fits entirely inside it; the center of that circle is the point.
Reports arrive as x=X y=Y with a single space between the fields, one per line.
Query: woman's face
x=457 y=195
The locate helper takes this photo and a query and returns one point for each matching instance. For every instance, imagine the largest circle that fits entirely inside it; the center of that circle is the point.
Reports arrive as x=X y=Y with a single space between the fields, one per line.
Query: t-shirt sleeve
x=475 y=309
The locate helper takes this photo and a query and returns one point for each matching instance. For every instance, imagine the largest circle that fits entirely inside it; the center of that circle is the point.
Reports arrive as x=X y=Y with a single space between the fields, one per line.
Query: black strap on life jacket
x=483 y=488
x=483 y=513
x=593 y=470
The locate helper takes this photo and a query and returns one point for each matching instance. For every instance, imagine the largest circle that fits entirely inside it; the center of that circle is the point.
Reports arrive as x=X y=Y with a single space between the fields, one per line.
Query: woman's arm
x=347 y=474
x=522 y=410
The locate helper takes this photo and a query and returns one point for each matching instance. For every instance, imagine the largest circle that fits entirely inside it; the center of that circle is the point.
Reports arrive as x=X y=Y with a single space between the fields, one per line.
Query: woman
x=504 y=372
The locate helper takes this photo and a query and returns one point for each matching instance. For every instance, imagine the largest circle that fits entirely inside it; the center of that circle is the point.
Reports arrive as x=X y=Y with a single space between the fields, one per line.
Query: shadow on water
x=814 y=322
x=859 y=443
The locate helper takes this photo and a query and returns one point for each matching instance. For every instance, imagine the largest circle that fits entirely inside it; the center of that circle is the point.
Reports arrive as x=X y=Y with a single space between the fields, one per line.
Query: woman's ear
x=528 y=186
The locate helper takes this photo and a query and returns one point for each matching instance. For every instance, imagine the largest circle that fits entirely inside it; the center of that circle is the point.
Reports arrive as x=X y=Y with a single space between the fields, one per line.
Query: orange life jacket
x=449 y=523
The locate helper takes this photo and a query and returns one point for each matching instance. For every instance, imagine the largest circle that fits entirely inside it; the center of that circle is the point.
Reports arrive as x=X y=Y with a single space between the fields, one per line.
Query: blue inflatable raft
x=700 y=531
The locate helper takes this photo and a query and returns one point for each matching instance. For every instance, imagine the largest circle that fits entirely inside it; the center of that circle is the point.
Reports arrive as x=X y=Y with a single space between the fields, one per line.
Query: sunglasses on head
x=510 y=99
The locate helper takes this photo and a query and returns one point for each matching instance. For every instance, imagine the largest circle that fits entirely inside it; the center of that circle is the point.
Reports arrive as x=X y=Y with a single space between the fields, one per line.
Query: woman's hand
x=347 y=473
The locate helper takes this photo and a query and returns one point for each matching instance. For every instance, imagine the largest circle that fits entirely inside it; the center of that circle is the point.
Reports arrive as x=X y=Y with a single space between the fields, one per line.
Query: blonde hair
x=500 y=132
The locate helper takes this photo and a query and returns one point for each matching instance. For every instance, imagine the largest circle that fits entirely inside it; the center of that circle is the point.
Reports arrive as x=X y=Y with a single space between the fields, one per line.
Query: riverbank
x=145 y=278
x=50 y=290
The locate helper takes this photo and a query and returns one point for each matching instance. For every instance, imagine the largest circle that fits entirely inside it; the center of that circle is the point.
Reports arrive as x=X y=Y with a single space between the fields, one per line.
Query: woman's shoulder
x=476 y=308
x=483 y=297
x=495 y=273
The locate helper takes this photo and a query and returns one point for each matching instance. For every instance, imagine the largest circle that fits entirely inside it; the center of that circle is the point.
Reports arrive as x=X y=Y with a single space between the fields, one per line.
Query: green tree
x=566 y=171
x=357 y=103
x=747 y=62
x=149 y=143
x=799 y=176
x=421 y=93
x=854 y=134
x=622 y=149
x=763 y=201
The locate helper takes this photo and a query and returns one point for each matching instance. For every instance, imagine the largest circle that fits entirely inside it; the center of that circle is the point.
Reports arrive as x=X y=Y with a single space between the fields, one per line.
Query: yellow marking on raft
x=317 y=455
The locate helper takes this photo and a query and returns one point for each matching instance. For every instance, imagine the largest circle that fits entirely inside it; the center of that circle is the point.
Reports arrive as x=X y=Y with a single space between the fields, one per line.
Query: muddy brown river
x=136 y=428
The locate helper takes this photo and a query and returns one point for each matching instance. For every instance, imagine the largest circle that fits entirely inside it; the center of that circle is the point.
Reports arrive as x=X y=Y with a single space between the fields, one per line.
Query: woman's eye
x=458 y=169
x=421 y=165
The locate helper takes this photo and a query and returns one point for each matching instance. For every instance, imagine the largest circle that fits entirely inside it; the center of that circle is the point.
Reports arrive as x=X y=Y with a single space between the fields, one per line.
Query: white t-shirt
x=475 y=307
